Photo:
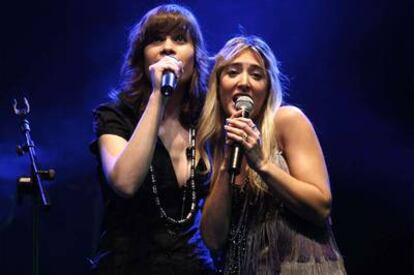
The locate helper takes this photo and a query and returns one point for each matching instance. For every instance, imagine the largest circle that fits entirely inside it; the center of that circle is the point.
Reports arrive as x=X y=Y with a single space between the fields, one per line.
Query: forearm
x=131 y=166
x=304 y=198
x=216 y=216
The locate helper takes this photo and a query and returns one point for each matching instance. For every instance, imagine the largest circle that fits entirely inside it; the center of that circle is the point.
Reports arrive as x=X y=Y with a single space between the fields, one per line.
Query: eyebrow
x=240 y=64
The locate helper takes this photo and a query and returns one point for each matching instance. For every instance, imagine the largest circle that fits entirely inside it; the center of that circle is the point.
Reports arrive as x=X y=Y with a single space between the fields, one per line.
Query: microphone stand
x=32 y=185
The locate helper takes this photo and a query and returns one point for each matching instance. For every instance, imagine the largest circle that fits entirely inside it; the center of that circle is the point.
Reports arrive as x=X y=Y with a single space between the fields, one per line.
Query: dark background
x=350 y=68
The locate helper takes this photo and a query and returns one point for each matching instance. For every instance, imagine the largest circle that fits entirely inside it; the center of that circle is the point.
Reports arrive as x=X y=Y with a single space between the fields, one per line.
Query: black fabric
x=135 y=240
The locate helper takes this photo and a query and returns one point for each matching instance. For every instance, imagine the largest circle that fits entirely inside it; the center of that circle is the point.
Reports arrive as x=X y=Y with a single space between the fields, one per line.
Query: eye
x=257 y=74
x=232 y=72
x=180 y=38
x=156 y=39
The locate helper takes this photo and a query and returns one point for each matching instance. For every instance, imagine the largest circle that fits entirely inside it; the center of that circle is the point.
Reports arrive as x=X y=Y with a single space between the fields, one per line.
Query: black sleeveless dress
x=135 y=240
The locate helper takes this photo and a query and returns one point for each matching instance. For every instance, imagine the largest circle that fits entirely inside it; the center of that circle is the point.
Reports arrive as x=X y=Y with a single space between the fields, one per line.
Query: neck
x=172 y=109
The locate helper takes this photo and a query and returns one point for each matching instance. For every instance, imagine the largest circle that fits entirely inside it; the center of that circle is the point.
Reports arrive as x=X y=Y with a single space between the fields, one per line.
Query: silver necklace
x=189 y=152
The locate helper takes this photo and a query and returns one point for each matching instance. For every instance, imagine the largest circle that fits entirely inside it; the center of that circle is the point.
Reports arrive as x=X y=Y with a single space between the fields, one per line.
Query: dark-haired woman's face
x=179 y=45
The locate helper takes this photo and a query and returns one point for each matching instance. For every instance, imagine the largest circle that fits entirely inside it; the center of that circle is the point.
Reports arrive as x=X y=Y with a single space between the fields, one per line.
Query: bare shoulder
x=290 y=121
x=288 y=116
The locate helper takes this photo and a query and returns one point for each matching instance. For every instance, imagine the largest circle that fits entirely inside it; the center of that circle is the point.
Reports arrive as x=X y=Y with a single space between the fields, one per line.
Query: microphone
x=168 y=82
x=244 y=103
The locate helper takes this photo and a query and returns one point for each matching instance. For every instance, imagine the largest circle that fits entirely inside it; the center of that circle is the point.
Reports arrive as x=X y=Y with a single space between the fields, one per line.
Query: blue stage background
x=350 y=68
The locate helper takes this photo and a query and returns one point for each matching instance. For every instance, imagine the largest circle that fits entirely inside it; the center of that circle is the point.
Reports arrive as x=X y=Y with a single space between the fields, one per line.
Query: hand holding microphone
x=165 y=74
x=168 y=82
x=245 y=105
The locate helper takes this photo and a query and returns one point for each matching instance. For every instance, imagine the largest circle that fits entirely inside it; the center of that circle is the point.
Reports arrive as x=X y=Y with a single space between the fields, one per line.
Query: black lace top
x=135 y=240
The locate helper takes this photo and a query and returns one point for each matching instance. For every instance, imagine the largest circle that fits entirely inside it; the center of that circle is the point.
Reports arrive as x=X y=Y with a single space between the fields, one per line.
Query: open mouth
x=235 y=97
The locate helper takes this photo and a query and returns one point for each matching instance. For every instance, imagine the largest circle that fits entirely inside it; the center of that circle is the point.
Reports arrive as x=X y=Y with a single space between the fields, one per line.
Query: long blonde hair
x=211 y=136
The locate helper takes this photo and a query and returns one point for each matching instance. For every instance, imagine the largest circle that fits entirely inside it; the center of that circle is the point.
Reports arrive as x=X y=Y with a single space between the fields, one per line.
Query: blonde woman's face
x=244 y=75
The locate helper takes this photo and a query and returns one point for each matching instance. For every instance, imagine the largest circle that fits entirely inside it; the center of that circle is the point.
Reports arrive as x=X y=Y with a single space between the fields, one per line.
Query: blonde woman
x=274 y=218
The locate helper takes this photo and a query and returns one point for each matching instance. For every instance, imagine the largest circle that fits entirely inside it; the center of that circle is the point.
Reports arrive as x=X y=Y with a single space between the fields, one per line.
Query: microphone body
x=168 y=82
x=235 y=159
x=244 y=103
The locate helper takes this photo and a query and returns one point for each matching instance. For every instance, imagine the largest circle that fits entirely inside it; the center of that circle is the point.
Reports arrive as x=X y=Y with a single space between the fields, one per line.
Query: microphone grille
x=244 y=103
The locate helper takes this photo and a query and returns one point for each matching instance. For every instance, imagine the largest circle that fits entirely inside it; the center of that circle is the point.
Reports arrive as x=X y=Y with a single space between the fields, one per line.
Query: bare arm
x=215 y=220
x=306 y=189
x=126 y=163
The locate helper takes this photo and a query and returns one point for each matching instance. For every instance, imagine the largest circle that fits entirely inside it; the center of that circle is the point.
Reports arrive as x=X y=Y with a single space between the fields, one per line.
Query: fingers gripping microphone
x=168 y=82
x=244 y=103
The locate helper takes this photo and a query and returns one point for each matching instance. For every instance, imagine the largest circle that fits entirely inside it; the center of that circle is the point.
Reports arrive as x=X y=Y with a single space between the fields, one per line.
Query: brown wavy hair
x=135 y=87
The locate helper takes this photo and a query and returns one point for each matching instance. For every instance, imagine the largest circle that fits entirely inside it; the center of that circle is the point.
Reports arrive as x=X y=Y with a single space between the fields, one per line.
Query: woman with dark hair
x=274 y=217
x=145 y=145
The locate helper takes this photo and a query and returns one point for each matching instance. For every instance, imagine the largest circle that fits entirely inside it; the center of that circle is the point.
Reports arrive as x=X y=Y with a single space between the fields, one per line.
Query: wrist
x=157 y=98
x=262 y=167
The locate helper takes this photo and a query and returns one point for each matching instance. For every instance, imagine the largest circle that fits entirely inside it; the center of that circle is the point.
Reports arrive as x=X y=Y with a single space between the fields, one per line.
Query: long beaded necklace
x=190 y=153
x=238 y=229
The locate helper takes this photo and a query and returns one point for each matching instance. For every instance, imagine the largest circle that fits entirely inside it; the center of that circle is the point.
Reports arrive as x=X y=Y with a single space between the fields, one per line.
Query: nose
x=168 y=47
x=244 y=82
